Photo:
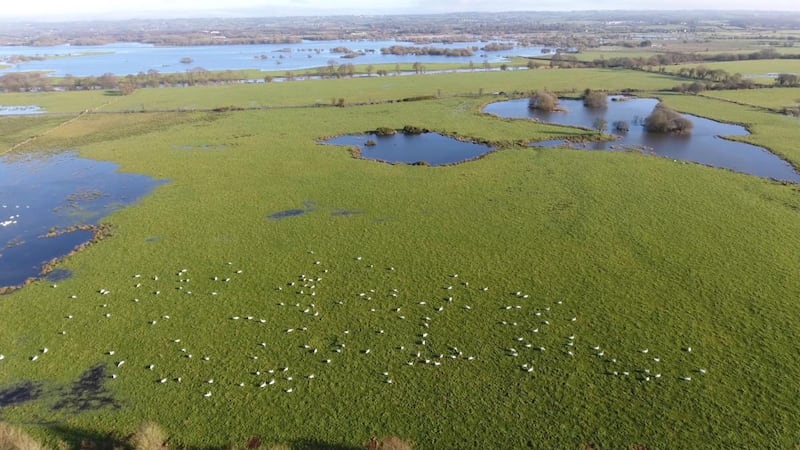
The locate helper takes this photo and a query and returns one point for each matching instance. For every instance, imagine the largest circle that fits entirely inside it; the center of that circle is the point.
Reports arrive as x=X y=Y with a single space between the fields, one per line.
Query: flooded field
x=703 y=145
x=49 y=203
x=427 y=148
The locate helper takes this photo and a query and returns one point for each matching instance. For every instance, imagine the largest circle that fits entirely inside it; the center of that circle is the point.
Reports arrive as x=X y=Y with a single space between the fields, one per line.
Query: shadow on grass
x=313 y=444
x=88 y=393
x=23 y=392
x=77 y=438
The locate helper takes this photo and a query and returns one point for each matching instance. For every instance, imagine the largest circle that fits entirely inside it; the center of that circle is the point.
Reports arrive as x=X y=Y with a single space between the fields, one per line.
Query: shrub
x=13 y=438
x=385 y=131
x=600 y=124
x=666 y=120
x=594 y=99
x=543 y=101
x=621 y=126
x=149 y=436
x=409 y=129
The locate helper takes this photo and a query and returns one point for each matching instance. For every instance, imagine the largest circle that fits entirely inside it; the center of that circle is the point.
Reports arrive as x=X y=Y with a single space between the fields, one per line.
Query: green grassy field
x=611 y=253
x=766 y=98
x=758 y=70
x=357 y=90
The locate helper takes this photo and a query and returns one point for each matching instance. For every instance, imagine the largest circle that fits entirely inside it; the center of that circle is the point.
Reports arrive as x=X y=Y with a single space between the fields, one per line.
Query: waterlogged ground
x=20 y=110
x=54 y=193
x=430 y=148
x=704 y=145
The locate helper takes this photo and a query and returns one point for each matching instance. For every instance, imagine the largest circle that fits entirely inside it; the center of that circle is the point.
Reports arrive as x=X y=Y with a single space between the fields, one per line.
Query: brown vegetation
x=543 y=101
x=388 y=443
x=385 y=131
x=594 y=99
x=149 y=436
x=666 y=120
x=13 y=438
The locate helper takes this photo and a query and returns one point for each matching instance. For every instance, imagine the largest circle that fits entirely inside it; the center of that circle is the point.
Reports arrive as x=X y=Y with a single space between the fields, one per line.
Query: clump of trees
x=433 y=51
x=594 y=99
x=666 y=120
x=787 y=79
x=543 y=101
x=497 y=46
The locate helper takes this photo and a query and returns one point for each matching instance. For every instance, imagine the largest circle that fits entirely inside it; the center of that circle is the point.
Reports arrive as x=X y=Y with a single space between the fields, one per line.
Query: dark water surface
x=431 y=148
x=44 y=192
x=703 y=145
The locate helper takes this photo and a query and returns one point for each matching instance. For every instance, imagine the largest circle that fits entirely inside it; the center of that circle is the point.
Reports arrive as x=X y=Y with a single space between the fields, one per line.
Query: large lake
x=126 y=58
x=704 y=145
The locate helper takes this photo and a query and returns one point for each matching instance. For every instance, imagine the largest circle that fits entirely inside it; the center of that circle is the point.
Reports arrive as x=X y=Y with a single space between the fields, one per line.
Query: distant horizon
x=96 y=10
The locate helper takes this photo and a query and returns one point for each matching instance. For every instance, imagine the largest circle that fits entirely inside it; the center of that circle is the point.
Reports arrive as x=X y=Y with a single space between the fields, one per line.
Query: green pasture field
x=60 y=102
x=774 y=98
x=607 y=52
x=361 y=69
x=355 y=90
x=14 y=130
x=608 y=261
x=756 y=69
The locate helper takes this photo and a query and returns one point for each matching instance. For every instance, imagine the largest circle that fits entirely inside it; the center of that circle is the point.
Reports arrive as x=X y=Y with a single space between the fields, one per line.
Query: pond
x=132 y=58
x=704 y=145
x=42 y=193
x=431 y=148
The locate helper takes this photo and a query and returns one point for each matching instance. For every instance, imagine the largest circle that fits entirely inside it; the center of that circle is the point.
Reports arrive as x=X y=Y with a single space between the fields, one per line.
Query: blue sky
x=93 y=9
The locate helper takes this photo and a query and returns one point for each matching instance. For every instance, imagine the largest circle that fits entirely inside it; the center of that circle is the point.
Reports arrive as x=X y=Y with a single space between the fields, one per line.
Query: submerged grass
x=642 y=252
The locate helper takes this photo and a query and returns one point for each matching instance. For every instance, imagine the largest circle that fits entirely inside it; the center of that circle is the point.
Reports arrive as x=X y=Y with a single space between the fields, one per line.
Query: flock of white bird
x=529 y=320
x=12 y=219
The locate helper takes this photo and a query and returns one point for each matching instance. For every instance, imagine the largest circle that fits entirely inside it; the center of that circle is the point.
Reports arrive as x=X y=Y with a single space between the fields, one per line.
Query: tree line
x=37 y=81
x=433 y=51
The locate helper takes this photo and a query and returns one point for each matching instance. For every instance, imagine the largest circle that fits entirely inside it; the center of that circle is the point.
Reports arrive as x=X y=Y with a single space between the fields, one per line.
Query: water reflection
x=703 y=145
x=48 y=200
x=427 y=148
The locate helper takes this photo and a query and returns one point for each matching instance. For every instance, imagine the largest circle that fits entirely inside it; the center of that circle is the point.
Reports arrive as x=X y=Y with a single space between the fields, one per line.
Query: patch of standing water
x=20 y=110
x=308 y=206
x=431 y=148
x=40 y=193
x=704 y=145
